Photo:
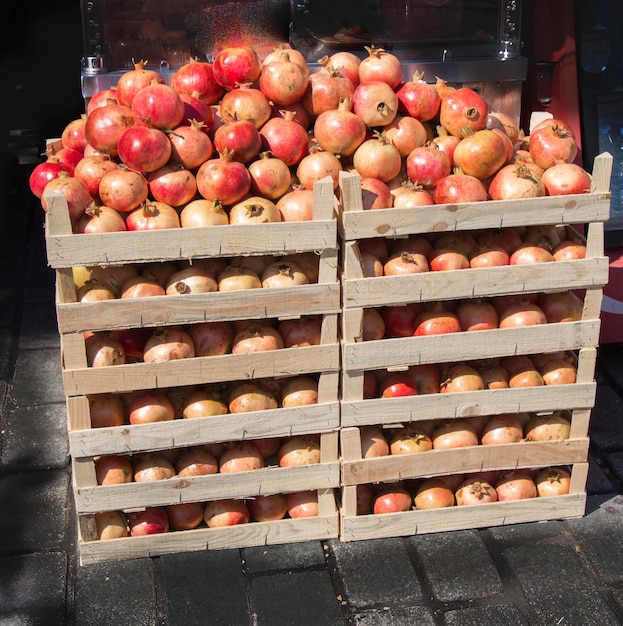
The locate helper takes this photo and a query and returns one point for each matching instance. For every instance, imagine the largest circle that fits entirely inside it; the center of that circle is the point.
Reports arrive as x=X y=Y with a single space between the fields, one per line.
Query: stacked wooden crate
x=67 y=251
x=361 y=293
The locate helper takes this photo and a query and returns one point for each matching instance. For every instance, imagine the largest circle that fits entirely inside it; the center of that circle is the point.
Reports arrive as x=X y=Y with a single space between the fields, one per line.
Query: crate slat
x=526 y=454
x=200 y=370
x=269 y=480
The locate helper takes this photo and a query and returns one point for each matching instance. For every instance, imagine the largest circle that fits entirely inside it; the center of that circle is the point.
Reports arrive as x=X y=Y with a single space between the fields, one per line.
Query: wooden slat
x=463 y=517
x=181 y=433
x=90 y=499
x=384 y=353
x=201 y=370
x=192 y=308
x=475 y=283
x=467 y=404
x=526 y=454
x=199 y=539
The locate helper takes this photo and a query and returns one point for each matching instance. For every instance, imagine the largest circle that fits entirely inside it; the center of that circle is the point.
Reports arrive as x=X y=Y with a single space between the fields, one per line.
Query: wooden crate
x=354 y=528
x=67 y=251
x=324 y=526
x=584 y=216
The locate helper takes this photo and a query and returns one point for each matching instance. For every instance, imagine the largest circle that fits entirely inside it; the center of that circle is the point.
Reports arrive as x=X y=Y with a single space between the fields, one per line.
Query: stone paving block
x=598 y=480
x=605 y=429
x=531 y=532
x=35 y=438
x=115 y=593
x=32 y=588
x=204 y=588
x=557 y=588
x=38 y=505
x=294 y=597
x=448 y=565
x=38 y=378
x=486 y=616
x=376 y=572
x=8 y=353
x=600 y=538
x=396 y=616
x=289 y=556
x=39 y=328
x=614 y=461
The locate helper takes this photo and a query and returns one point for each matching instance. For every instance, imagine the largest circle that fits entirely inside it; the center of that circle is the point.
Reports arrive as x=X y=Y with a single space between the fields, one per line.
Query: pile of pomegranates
x=462 y=490
x=244 y=139
x=148 y=406
x=511 y=372
x=210 y=338
x=467 y=249
x=211 y=514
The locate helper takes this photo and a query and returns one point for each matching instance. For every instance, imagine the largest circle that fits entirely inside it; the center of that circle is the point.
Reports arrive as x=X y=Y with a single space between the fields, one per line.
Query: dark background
x=41 y=52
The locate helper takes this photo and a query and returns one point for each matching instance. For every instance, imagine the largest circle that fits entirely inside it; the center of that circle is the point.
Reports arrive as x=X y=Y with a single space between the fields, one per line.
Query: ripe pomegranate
x=376 y=103
x=286 y=139
x=463 y=111
x=326 y=89
x=283 y=81
x=418 y=99
x=197 y=77
x=236 y=65
x=133 y=80
x=105 y=125
x=340 y=131
x=382 y=66
x=144 y=149
x=158 y=106
x=480 y=153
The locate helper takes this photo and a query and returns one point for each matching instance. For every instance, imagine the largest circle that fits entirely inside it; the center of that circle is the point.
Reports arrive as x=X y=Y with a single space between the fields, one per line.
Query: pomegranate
x=433 y=493
x=172 y=184
x=223 y=179
x=168 y=344
x=515 y=181
x=284 y=81
x=226 y=512
x=240 y=138
x=316 y=165
x=90 y=170
x=254 y=210
x=73 y=190
x=159 y=106
x=105 y=125
x=286 y=139
x=153 y=215
x=236 y=65
x=150 y=406
x=123 y=189
x=44 y=172
x=201 y=212
x=340 y=131
x=480 y=153
x=245 y=103
x=133 y=80
x=100 y=219
x=552 y=144
x=348 y=62
x=376 y=103
x=409 y=439
x=296 y=205
x=459 y=187
x=270 y=176
x=419 y=99
x=143 y=149
x=377 y=158
x=240 y=456
x=197 y=77
x=463 y=111
x=427 y=165
x=326 y=89
x=382 y=66
x=248 y=397
x=566 y=178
